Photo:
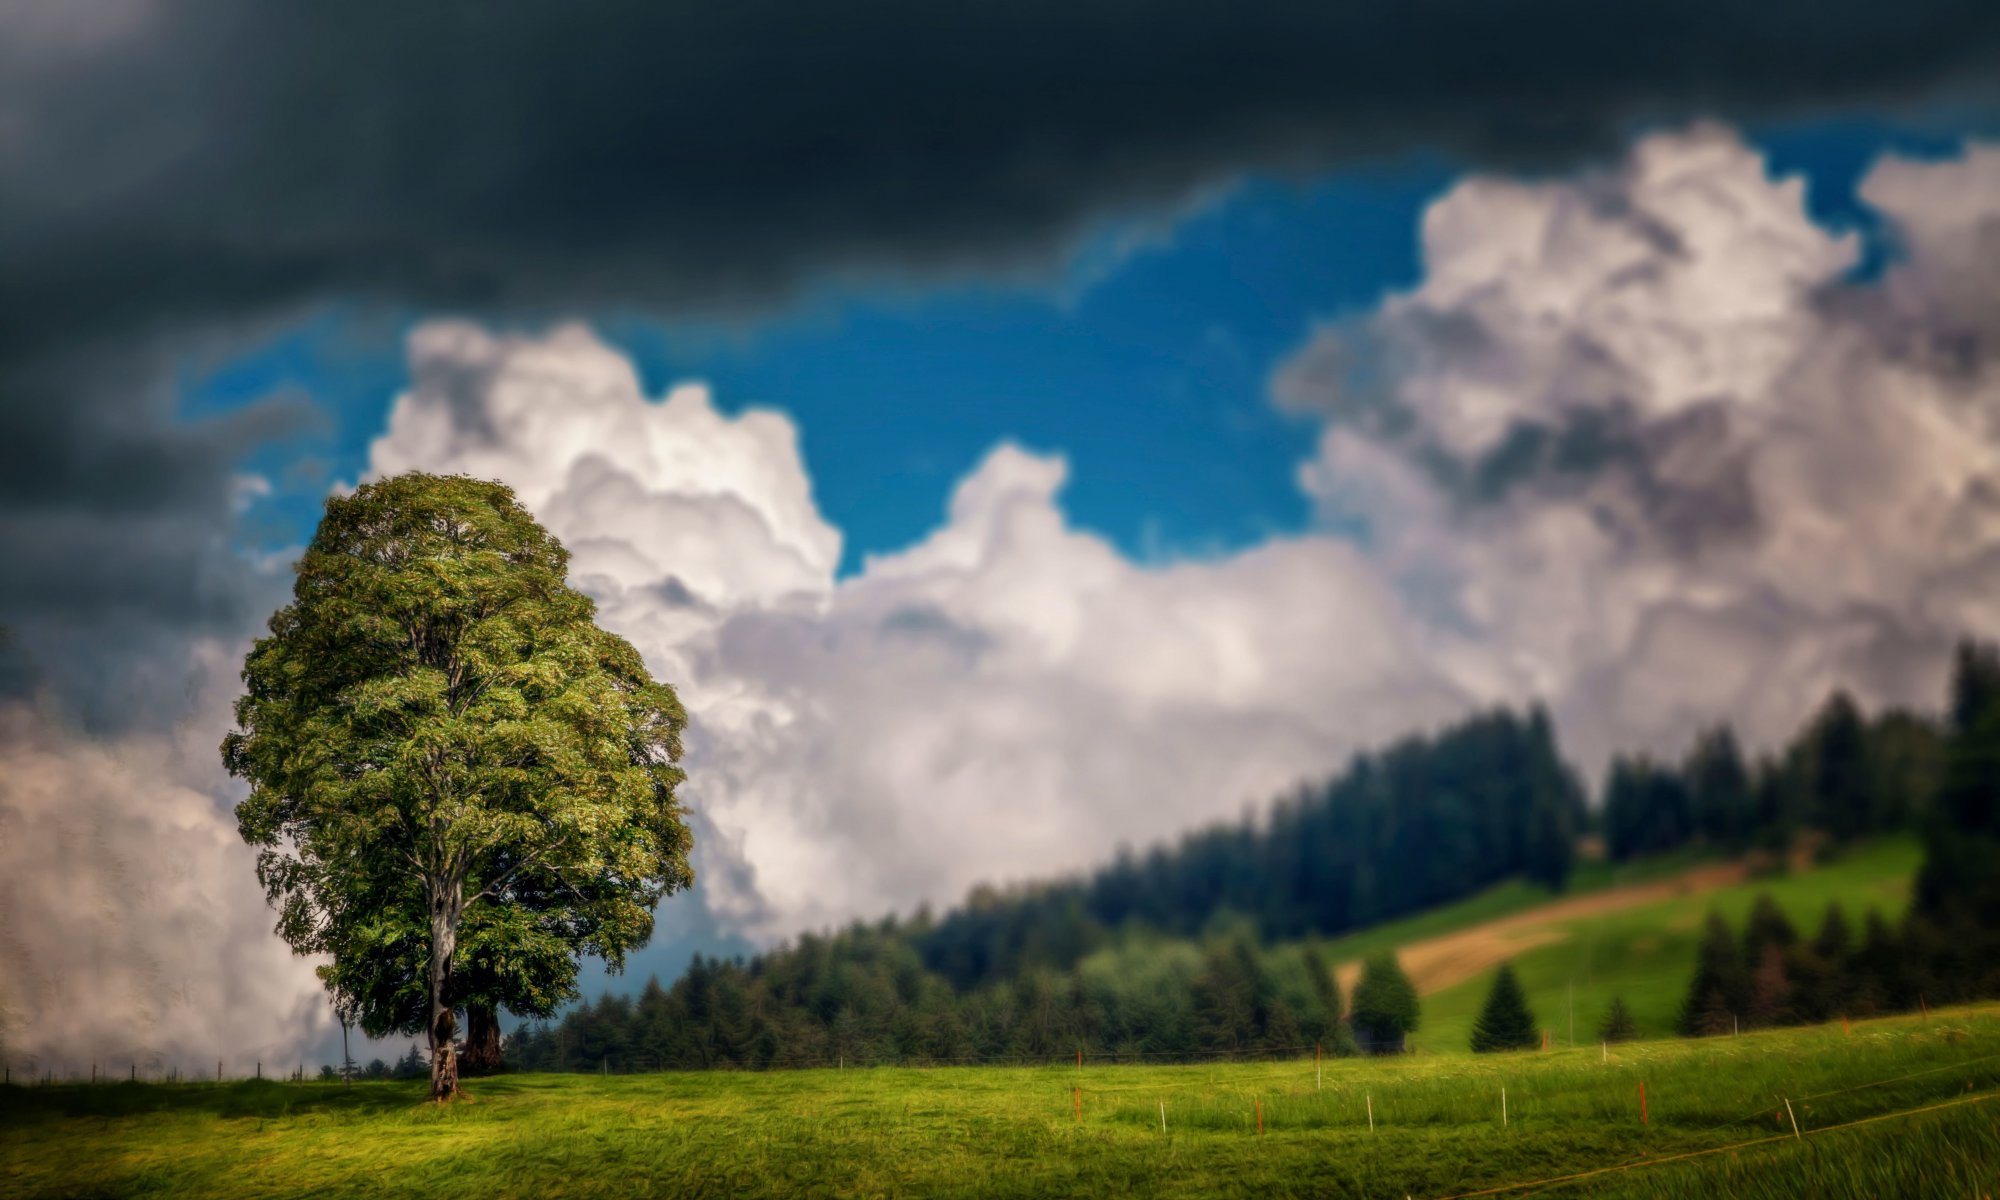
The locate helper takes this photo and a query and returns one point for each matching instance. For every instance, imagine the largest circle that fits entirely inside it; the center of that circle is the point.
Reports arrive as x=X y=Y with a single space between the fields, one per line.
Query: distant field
x=1618 y=935
x=986 y=1131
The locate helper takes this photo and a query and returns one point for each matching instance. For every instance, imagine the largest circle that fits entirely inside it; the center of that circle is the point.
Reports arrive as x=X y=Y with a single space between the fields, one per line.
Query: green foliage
x=1385 y=1009
x=1505 y=1023
x=447 y=755
x=1618 y=1025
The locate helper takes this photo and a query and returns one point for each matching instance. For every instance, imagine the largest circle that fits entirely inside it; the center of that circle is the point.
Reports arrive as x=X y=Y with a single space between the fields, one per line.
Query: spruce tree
x=1385 y=1006
x=1770 y=990
x=1505 y=1023
x=1618 y=1025
x=1720 y=980
x=1768 y=926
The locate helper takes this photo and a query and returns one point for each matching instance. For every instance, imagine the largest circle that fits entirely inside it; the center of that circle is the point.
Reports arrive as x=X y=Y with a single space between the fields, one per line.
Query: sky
x=1016 y=431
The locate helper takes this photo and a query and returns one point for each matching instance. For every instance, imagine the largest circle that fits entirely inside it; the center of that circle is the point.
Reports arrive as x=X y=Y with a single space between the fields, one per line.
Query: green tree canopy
x=1385 y=1005
x=1505 y=1022
x=459 y=783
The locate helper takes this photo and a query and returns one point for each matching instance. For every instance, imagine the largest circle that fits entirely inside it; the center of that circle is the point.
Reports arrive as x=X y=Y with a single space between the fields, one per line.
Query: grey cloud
x=212 y=156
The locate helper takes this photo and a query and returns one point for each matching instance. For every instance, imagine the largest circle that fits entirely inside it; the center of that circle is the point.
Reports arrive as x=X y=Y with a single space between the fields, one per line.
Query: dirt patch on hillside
x=1435 y=964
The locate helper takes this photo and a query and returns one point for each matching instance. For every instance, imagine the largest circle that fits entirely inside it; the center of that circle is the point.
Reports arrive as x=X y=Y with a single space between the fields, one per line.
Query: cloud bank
x=1009 y=697
x=1644 y=435
x=171 y=159
x=1639 y=445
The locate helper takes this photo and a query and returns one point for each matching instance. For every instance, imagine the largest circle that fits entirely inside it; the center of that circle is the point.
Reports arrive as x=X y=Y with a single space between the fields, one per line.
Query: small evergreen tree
x=1505 y=1023
x=1385 y=1006
x=1618 y=1025
x=411 y=1065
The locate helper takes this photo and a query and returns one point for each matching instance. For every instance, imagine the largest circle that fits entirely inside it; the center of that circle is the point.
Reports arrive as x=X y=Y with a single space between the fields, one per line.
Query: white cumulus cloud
x=1009 y=697
x=1639 y=445
x=1644 y=435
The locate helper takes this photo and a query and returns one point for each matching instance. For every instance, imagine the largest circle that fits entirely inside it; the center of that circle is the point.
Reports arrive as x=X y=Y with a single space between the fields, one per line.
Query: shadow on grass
x=25 y=1105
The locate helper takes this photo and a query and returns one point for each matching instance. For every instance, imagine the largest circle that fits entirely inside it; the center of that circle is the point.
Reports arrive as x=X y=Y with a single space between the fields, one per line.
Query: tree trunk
x=446 y=903
x=482 y=1041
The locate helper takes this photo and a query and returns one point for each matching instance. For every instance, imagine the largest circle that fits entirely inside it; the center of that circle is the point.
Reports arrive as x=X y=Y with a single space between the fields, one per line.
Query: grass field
x=987 y=1131
x=1644 y=952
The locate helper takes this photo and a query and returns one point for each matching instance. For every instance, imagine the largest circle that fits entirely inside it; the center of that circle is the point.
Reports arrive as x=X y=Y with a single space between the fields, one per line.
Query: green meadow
x=1645 y=952
x=1859 y=1097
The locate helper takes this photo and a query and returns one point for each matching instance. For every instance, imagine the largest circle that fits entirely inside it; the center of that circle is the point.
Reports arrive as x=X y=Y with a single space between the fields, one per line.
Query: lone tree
x=1385 y=1006
x=1505 y=1023
x=459 y=783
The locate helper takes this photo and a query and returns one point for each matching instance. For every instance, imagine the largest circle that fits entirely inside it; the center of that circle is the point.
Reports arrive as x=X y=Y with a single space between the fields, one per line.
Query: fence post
x=1642 y=1102
x=1079 y=1104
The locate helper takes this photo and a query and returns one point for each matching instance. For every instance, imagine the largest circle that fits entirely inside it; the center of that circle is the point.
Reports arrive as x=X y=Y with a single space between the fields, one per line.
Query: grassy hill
x=1617 y=933
x=1901 y=1107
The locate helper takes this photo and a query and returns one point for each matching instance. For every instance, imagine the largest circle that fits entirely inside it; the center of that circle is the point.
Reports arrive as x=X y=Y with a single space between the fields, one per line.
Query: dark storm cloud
x=177 y=167
x=193 y=156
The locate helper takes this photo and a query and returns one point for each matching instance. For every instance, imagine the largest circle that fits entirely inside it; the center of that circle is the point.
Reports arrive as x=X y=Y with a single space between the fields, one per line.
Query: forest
x=1210 y=946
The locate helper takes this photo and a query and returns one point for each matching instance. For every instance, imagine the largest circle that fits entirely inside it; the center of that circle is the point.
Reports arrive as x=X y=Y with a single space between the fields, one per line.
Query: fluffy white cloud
x=1010 y=697
x=1643 y=436
x=1638 y=445
x=132 y=929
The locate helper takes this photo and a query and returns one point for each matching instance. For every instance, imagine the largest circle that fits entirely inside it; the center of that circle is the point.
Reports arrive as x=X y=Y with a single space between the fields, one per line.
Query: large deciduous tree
x=459 y=783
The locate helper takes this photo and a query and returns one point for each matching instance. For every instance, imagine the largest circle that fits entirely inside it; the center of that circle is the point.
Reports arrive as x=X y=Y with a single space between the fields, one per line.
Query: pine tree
x=1770 y=990
x=1768 y=926
x=1719 y=979
x=1385 y=1006
x=1709 y=1017
x=1618 y=1025
x=1505 y=1023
